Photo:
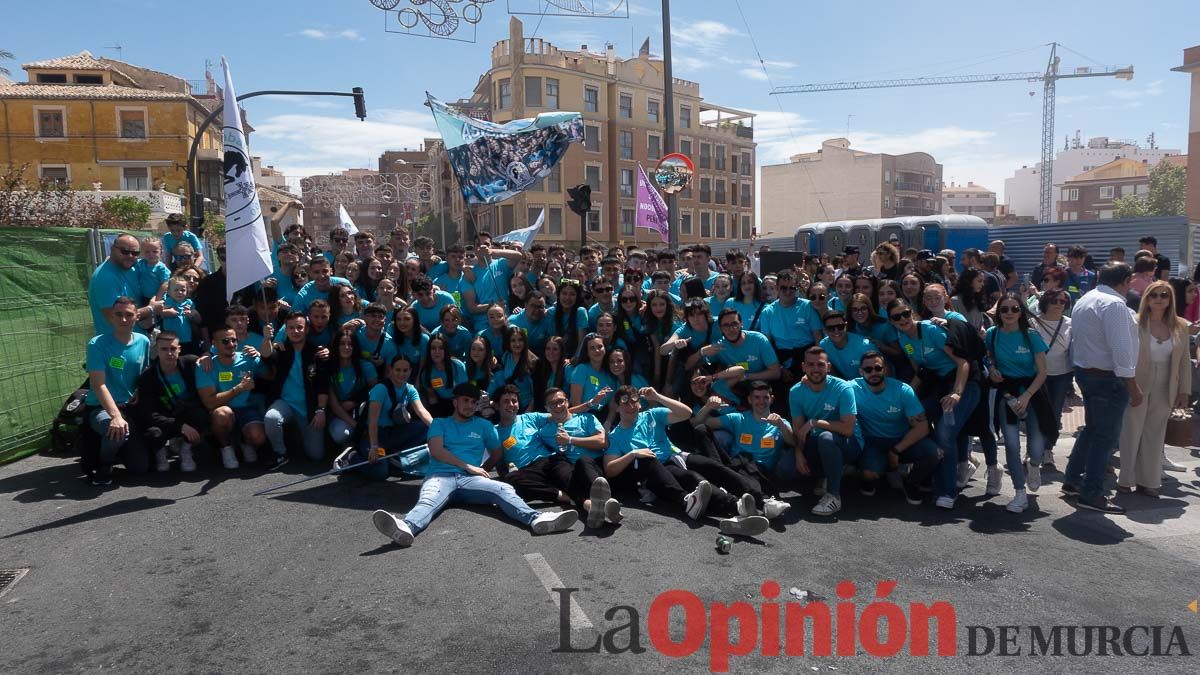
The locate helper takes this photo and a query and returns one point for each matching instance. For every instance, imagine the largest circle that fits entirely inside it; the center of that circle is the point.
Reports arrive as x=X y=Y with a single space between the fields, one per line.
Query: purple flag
x=651 y=208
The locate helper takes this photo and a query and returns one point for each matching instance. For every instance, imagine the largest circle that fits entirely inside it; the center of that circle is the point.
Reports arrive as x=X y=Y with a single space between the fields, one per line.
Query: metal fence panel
x=1024 y=243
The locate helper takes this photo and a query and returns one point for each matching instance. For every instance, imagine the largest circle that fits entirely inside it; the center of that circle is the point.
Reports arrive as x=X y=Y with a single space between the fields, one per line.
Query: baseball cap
x=925 y=254
x=850 y=250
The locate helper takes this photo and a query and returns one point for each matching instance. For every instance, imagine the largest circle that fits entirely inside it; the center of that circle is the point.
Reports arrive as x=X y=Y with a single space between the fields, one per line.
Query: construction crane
x=1049 y=79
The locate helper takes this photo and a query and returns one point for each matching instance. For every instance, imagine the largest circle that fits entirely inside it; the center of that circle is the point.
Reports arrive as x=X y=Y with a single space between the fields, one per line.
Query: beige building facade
x=837 y=182
x=969 y=200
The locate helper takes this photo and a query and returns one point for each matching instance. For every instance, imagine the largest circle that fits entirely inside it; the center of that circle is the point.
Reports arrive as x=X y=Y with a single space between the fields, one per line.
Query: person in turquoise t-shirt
x=759 y=460
x=556 y=457
x=114 y=363
x=588 y=380
x=151 y=271
x=450 y=328
x=439 y=376
x=396 y=419
x=827 y=434
x=115 y=278
x=845 y=350
x=535 y=322
x=225 y=383
x=179 y=314
x=895 y=430
x=350 y=380
x=462 y=449
x=177 y=233
x=749 y=350
x=429 y=303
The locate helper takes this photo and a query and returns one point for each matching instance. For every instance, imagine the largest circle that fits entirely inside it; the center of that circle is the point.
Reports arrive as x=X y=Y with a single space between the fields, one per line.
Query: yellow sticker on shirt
x=908 y=349
x=768 y=442
x=509 y=442
x=745 y=439
x=436 y=383
x=457 y=298
x=116 y=363
x=594 y=380
x=744 y=364
x=225 y=376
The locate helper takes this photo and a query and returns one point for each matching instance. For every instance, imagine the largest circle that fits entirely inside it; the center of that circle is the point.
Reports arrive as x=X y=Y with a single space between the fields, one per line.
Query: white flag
x=525 y=235
x=248 y=251
x=344 y=221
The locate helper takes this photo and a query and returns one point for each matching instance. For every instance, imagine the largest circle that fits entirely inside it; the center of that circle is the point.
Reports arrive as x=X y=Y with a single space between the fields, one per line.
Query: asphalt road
x=197 y=575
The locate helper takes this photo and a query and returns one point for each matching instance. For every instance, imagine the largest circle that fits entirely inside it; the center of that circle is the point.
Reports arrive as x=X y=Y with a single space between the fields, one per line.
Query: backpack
x=68 y=425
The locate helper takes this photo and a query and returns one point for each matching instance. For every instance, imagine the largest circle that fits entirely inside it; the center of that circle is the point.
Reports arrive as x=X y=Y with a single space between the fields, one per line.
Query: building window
x=747 y=194
x=626 y=182
x=533 y=92
x=705 y=156
x=685 y=117
x=653 y=146
x=706 y=224
x=591 y=138
x=705 y=190
x=531 y=214
x=505 y=94
x=591 y=99
x=1143 y=189
x=720 y=158
x=733 y=194
x=554 y=180
x=652 y=111
x=552 y=93
x=50 y=123
x=721 y=233
x=626 y=139
x=593 y=221
x=506 y=218
x=1127 y=190
x=747 y=227
x=132 y=123
x=52 y=78
x=685 y=146
x=625 y=106
x=1106 y=192
x=88 y=79
x=135 y=178
x=591 y=176
x=747 y=163
x=720 y=191
x=1069 y=215
x=887 y=202
x=55 y=174
x=627 y=217
x=733 y=162
x=1070 y=194
x=887 y=177
x=685 y=223
x=554 y=222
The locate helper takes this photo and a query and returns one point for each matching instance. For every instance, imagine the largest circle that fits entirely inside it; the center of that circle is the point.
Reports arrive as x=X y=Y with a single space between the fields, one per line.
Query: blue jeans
x=923 y=455
x=131 y=450
x=1104 y=400
x=945 y=483
x=829 y=453
x=442 y=489
x=282 y=413
x=1012 y=445
x=1057 y=388
x=391 y=438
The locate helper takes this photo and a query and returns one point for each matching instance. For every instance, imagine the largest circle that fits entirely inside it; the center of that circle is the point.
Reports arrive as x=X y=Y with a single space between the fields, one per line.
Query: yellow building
x=106 y=128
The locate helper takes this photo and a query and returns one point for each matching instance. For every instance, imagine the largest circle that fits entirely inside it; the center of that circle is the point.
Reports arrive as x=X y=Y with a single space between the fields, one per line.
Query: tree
x=5 y=55
x=46 y=203
x=1168 y=195
x=130 y=212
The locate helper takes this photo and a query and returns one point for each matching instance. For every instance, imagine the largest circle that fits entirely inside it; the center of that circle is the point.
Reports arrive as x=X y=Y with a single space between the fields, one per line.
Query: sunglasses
x=229 y=341
x=628 y=300
x=602 y=290
x=838 y=327
x=1010 y=309
x=1160 y=295
x=872 y=369
x=129 y=251
x=898 y=316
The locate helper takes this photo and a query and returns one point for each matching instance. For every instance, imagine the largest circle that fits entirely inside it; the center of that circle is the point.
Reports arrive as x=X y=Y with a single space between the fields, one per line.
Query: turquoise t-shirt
x=590 y=379
x=406 y=395
x=108 y=283
x=345 y=380
x=761 y=440
x=753 y=352
x=169 y=242
x=469 y=441
x=790 y=327
x=581 y=321
x=1014 y=354
x=414 y=352
x=455 y=287
x=374 y=348
x=524 y=383
x=886 y=414
x=649 y=431
x=594 y=313
x=431 y=317
x=519 y=440
x=309 y=292
x=847 y=359
x=835 y=400
x=537 y=333
x=747 y=311
x=459 y=342
x=696 y=338
x=578 y=426
x=293 y=388
x=122 y=365
x=496 y=340
x=926 y=349
x=180 y=325
x=441 y=384
x=223 y=377
x=151 y=279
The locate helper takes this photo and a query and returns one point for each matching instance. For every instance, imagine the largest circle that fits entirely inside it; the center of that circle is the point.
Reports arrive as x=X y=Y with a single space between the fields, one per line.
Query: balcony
x=161 y=202
x=913 y=211
x=913 y=187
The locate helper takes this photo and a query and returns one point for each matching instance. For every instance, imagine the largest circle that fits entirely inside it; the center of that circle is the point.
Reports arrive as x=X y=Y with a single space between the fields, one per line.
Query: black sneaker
x=911 y=494
x=867 y=488
x=1101 y=504
x=101 y=480
x=277 y=462
x=1070 y=489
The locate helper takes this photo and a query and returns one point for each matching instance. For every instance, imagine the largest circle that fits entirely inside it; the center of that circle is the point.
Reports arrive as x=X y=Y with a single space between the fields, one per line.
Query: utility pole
x=669 y=132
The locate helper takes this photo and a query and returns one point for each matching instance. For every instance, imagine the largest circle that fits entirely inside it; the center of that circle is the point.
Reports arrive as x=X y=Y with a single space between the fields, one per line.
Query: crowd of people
x=591 y=377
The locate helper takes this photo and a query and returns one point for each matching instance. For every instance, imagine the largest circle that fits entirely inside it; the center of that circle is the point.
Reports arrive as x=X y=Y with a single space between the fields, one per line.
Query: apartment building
x=970 y=200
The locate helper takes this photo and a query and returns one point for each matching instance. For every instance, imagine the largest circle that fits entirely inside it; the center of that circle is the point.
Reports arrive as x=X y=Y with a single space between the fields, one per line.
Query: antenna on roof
x=118 y=49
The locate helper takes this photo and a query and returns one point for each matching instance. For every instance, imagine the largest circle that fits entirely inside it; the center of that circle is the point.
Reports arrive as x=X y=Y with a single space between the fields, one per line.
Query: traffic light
x=581 y=198
x=360 y=103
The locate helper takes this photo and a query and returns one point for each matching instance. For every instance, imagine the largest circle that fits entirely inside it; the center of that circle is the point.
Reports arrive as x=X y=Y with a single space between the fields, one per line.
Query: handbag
x=1179 y=428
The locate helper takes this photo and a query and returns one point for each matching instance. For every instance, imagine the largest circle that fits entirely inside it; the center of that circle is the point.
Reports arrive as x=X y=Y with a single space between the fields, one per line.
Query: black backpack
x=66 y=430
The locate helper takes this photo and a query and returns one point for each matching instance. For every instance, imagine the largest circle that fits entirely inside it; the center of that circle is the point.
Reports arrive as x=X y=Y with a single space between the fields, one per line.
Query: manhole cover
x=9 y=578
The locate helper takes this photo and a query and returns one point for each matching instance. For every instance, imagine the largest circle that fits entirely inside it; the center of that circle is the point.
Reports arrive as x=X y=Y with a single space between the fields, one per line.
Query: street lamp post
x=196 y=200
x=669 y=132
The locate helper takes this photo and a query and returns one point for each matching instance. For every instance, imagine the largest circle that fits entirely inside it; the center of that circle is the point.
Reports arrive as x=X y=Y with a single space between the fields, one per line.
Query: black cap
x=850 y=250
x=925 y=254
x=466 y=389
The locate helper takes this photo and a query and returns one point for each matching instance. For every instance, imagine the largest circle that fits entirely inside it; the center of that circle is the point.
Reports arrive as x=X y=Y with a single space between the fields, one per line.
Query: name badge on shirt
x=225 y=376
x=595 y=381
x=116 y=363
x=745 y=439
x=768 y=442
x=366 y=354
x=509 y=443
x=457 y=297
x=176 y=388
x=436 y=383
x=908 y=349
x=744 y=364
x=341 y=377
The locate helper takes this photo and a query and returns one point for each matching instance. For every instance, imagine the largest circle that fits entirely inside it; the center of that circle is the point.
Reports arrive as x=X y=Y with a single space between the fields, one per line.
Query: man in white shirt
x=1104 y=349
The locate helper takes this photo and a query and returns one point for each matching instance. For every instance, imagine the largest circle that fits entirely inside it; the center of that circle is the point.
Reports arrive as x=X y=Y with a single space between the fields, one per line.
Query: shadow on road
x=120 y=508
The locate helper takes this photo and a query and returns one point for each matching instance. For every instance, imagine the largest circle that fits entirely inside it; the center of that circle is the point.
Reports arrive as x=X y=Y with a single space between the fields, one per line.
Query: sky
x=979 y=133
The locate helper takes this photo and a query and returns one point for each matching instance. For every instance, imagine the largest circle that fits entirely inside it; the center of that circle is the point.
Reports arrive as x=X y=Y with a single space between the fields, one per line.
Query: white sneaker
x=249 y=453
x=187 y=463
x=343 y=459
x=774 y=508
x=944 y=502
x=747 y=507
x=162 y=463
x=744 y=525
x=1018 y=503
x=819 y=490
x=696 y=502
x=966 y=471
x=228 y=458
x=1169 y=464
x=612 y=511
x=1033 y=476
x=829 y=505
x=600 y=494
x=995 y=476
x=554 y=521
x=393 y=528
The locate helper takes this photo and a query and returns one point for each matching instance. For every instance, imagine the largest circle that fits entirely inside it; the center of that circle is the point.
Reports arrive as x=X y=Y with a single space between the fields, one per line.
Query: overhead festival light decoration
x=439 y=19
x=594 y=9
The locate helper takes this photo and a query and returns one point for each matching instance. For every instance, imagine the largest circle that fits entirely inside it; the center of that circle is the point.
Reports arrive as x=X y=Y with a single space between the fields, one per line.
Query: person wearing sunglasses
x=845 y=349
x=1053 y=324
x=225 y=383
x=177 y=233
x=895 y=430
x=743 y=355
x=947 y=384
x=115 y=278
x=1018 y=371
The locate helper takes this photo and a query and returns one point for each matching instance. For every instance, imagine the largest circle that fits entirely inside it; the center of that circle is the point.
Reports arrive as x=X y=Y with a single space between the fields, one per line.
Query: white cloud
x=1067 y=100
x=689 y=63
x=318 y=34
x=705 y=35
x=310 y=144
x=314 y=33
x=753 y=74
x=1153 y=89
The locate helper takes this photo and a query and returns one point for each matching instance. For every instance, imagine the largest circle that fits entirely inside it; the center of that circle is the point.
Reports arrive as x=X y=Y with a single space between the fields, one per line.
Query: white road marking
x=550 y=581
